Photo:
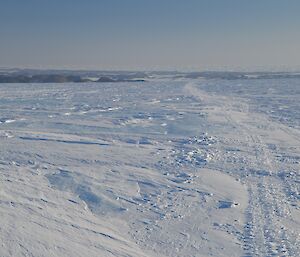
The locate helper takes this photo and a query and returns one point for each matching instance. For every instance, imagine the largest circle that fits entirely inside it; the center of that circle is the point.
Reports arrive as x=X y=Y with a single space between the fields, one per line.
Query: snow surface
x=163 y=168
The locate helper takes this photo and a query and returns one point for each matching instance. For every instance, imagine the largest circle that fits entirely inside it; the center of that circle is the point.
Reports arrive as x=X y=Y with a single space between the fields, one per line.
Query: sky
x=150 y=34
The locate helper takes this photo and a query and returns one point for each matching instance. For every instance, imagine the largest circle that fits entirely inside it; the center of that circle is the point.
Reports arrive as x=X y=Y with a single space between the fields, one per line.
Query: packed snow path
x=168 y=168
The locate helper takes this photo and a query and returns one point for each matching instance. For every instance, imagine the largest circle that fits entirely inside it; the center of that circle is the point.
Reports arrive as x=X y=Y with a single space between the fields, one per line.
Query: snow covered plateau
x=179 y=168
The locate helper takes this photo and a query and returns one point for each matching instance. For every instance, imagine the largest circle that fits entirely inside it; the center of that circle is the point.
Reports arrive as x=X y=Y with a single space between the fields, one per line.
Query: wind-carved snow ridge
x=165 y=168
x=97 y=202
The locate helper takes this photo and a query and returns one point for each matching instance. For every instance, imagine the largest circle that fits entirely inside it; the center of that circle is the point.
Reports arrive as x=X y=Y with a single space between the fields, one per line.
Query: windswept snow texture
x=164 y=168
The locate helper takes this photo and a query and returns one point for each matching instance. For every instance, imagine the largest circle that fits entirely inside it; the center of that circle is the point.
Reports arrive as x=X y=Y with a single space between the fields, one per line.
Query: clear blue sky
x=150 y=34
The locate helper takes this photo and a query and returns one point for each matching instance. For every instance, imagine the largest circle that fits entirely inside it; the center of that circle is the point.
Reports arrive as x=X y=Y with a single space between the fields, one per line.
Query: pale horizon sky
x=150 y=35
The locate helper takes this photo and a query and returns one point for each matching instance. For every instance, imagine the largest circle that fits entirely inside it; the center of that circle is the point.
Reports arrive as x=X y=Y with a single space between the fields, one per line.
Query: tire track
x=264 y=231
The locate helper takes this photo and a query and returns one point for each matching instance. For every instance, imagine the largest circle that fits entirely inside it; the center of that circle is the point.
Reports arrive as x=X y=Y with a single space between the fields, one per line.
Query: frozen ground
x=169 y=168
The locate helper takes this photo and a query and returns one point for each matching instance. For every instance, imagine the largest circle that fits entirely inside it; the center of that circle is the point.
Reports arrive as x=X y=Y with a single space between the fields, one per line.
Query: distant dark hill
x=58 y=78
x=40 y=78
x=106 y=79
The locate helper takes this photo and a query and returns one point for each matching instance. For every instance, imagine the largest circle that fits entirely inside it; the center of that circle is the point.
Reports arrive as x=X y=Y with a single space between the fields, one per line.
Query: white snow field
x=163 y=168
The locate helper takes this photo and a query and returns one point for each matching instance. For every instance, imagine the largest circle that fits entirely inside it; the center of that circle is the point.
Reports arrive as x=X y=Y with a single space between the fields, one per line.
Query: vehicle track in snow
x=268 y=205
x=269 y=208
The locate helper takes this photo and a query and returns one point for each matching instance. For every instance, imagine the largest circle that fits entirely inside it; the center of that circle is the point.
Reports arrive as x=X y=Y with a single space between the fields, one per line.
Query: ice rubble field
x=166 y=168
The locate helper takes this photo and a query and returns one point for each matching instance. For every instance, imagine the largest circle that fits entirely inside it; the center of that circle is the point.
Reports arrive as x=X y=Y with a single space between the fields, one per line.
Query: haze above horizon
x=150 y=35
